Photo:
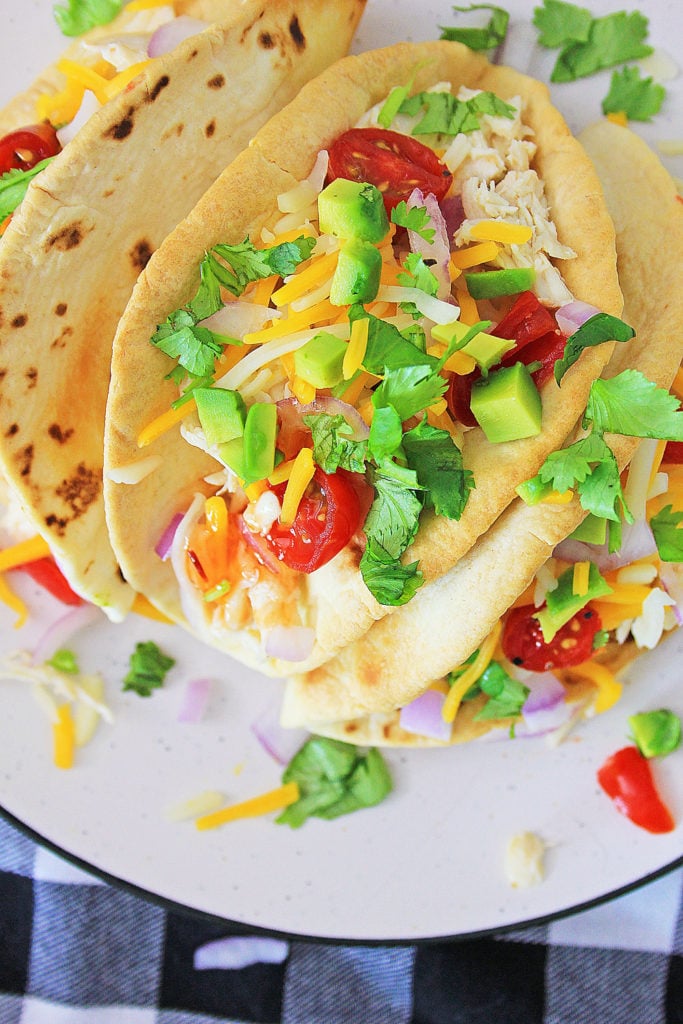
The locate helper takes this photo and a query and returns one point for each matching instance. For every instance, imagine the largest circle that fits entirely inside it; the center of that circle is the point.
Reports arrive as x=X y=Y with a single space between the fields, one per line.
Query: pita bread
x=89 y=223
x=334 y=600
x=446 y=621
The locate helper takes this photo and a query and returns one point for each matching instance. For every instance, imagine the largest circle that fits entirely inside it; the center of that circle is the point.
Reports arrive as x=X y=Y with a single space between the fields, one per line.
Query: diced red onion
x=423 y=716
x=291 y=413
x=437 y=250
x=163 y=546
x=637 y=541
x=546 y=691
x=574 y=315
x=59 y=632
x=173 y=33
x=195 y=701
x=260 y=546
x=239 y=318
x=280 y=743
x=89 y=105
x=289 y=643
x=239 y=951
x=453 y=212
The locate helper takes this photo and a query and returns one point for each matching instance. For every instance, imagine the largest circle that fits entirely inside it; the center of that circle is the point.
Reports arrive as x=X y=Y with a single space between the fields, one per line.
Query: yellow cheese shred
x=303 y=390
x=609 y=687
x=469 y=314
x=13 y=602
x=500 y=231
x=61 y=107
x=64 y=737
x=87 y=77
x=145 y=5
x=358 y=343
x=323 y=311
x=299 y=479
x=558 y=498
x=273 y=800
x=161 y=424
x=119 y=82
x=473 y=255
x=618 y=117
x=317 y=272
x=143 y=606
x=581 y=578
x=24 y=551
x=471 y=674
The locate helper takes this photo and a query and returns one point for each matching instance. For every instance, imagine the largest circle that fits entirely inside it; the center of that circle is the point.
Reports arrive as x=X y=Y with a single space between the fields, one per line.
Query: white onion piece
x=63 y=629
x=239 y=951
x=89 y=105
x=173 y=33
x=423 y=716
x=163 y=546
x=291 y=413
x=134 y=472
x=648 y=627
x=195 y=701
x=437 y=310
x=574 y=315
x=637 y=541
x=438 y=250
x=319 y=171
x=280 y=743
x=239 y=318
x=289 y=643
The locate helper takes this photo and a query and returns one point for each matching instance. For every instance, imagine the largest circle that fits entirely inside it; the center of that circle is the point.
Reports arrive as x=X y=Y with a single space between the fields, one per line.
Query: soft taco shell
x=446 y=621
x=336 y=601
x=90 y=222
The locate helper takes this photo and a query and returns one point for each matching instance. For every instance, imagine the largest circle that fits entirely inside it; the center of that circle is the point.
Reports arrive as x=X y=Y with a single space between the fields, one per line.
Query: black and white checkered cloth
x=74 y=950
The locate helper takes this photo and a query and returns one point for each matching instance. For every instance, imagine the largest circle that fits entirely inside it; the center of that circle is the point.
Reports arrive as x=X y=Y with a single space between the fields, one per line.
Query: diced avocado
x=485 y=349
x=260 y=433
x=489 y=284
x=320 y=360
x=593 y=530
x=507 y=405
x=352 y=209
x=221 y=413
x=561 y=604
x=657 y=733
x=232 y=454
x=356 y=278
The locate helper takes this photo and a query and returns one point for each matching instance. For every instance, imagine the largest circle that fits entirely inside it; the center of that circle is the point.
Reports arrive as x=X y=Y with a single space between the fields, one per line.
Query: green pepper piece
x=489 y=284
x=656 y=733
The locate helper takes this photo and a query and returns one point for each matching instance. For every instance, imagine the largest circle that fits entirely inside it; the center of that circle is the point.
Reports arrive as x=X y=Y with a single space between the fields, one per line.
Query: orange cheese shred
x=64 y=738
x=273 y=800
x=24 y=551
x=471 y=674
x=300 y=477
x=13 y=602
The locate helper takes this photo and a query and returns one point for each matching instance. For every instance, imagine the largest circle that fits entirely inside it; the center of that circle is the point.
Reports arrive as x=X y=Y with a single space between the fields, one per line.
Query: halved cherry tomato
x=526 y=320
x=673 y=452
x=523 y=642
x=47 y=574
x=26 y=147
x=395 y=163
x=329 y=514
x=626 y=777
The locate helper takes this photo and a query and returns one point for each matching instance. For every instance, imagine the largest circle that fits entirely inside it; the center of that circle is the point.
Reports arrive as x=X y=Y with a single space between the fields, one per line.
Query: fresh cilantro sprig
x=636 y=97
x=418 y=274
x=387 y=347
x=506 y=695
x=415 y=219
x=334 y=778
x=438 y=466
x=148 y=669
x=78 y=16
x=333 y=444
x=389 y=580
x=600 y=328
x=589 y=44
x=667 y=527
x=13 y=186
x=485 y=37
x=445 y=114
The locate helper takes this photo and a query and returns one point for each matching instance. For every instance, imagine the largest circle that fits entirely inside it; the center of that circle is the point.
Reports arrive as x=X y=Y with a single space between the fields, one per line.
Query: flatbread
x=90 y=222
x=334 y=599
x=446 y=621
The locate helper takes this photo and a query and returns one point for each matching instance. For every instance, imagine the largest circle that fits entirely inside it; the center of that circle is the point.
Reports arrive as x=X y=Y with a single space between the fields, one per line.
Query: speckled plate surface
x=429 y=861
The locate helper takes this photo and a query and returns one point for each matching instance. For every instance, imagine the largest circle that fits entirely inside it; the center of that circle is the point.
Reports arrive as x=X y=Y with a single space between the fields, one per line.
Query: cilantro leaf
x=13 y=186
x=392 y=520
x=560 y=23
x=613 y=39
x=334 y=778
x=77 y=16
x=437 y=462
x=387 y=348
x=386 y=433
x=631 y=404
x=666 y=527
x=388 y=580
x=445 y=114
x=418 y=274
x=639 y=98
x=148 y=668
x=589 y=466
x=601 y=327
x=196 y=348
x=484 y=38
x=246 y=263
x=333 y=444
x=414 y=219
x=409 y=389
x=506 y=694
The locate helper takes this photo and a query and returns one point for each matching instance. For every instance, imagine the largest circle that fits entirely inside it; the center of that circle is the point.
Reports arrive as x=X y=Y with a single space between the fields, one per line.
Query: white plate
x=428 y=862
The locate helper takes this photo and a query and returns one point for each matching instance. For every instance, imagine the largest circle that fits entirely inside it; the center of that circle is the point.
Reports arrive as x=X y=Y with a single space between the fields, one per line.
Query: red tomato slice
x=627 y=779
x=23 y=149
x=47 y=574
x=526 y=320
x=523 y=642
x=328 y=516
x=673 y=452
x=395 y=163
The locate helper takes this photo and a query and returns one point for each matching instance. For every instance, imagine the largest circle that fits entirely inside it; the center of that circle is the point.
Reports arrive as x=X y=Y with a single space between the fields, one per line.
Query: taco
x=275 y=588
x=355 y=696
x=91 y=219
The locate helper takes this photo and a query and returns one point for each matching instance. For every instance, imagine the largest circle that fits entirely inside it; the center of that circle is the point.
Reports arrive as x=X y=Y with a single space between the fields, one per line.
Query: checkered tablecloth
x=74 y=950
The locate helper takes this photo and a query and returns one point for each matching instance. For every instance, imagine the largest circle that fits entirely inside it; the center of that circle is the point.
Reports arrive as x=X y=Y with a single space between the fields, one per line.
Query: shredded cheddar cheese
x=164 y=422
x=64 y=736
x=358 y=343
x=87 y=77
x=473 y=255
x=143 y=606
x=119 y=82
x=609 y=687
x=13 y=602
x=274 y=800
x=471 y=674
x=581 y=578
x=318 y=271
x=300 y=477
x=24 y=551
x=500 y=231
x=558 y=498
x=618 y=117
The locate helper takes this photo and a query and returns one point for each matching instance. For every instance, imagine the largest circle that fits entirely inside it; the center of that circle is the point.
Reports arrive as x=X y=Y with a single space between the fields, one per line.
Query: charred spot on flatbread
x=60 y=340
x=217 y=82
x=295 y=31
x=59 y=435
x=24 y=460
x=70 y=237
x=12 y=430
x=78 y=492
x=20 y=321
x=141 y=254
x=158 y=88
x=32 y=376
x=266 y=40
x=123 y=128
x=210 y=129
x=61 y=308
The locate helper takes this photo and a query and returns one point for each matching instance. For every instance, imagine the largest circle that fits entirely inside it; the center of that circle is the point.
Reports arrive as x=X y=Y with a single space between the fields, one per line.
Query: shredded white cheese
x=524 y=860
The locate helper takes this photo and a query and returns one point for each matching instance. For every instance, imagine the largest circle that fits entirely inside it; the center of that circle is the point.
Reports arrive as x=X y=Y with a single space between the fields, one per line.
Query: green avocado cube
x=320 y=360
x=485 y=349
x=593 y=530
x=507 y=405
x=489 y=284
x=352 y=209
x=221 y=413
x=562 y=604
x=356 y=278
x=260 y=435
